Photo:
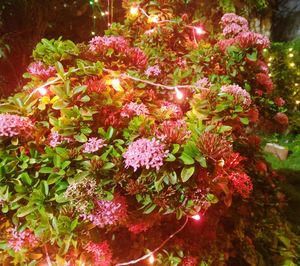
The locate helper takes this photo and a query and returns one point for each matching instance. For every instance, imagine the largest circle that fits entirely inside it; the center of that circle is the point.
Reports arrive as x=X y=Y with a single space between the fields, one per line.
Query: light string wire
x=53 y=81
x=156 y=249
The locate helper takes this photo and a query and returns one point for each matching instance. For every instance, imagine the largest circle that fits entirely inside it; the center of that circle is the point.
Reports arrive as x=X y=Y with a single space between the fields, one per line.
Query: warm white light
x=93 y=33
x=106 y=13
x=199 y=31
x=269 y=64
x=94 y=17
x=271 y=58
x=179 y=94
x=108 y=24
x=296 y=84
x=153 y=19
x=265 y=50
x=290 y=49
x=297 y=102
x=102 y=14
x=134 y=10
x=42 y=91
x=291 y=55
x=292 y=64
x=96 y=1
x=196 y=217
x=115 y=82
x=151 y=259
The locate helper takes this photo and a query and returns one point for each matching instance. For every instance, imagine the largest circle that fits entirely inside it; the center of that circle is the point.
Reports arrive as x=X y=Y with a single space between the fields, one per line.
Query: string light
x=151 y=259
x=269 y=64
x=292 y=64
x=43 y=91
x=291 y=55
x=297 y=102
x=290 y=49
x=199 y=30
x=106 y=13
x=296 y=84
x=93 y=33
x=196 y=217
x=134 y=11
x=102 y=14
x=179 y=94
x=94 y=17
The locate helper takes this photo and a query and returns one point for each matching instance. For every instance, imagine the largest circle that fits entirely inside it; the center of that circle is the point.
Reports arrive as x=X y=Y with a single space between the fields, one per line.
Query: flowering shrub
x=133 y=133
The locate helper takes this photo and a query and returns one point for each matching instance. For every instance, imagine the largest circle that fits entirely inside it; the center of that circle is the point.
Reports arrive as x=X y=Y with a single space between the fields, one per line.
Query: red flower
x=253 y=115
x=189 y=261
x=261 y=166
x=101 y=253
x=282 y=119
x=241 y=183
x=279 y=101
x=264 y=80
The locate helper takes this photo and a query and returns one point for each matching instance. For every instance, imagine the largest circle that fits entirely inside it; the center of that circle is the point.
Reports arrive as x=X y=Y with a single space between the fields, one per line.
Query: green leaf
x=244 y=120
x=211 y=198
x=186 y=159
x=79 y=89
x=150 y=209
x=81 y=138
x=252 y=56
x=187 y=172
x=45 y=187
x=26 y=178
x=25 y=210
x=46 y=170
x=85 y=99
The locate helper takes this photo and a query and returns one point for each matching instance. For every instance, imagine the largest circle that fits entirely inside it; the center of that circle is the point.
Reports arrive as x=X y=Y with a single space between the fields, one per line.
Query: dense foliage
x=113 y=144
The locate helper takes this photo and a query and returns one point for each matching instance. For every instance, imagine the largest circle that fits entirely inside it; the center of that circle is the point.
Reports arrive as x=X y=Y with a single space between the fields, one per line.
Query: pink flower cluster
x=236 y=29
x=145 y=153
x=279 y=101
x=233 y=24
x=264 y=80
x=40 y=70
x=134 y=54
x=189 y=261
x=173 y=109
x=153 y=71
x=241 y=183
x=14 y=125
x=173 y=132
x=56 y=139
x=100 y=252
x=93 y=145
x=131 y=109
x=108 y=212
x=240 y=95
x=18 y=240
x=203 y=83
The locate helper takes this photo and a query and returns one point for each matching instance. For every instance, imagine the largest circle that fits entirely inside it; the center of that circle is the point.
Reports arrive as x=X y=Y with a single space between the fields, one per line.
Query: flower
x=264 y=80
x=132 y=108
x=282 y=119
x=279 y=101
x=138 y=227
x=189 y=261
x=172 y=109
x=137 y=57
x=153 y=71
x=252 y=39
x=14 y=125
x=40 y=70
x=241 y=183
x=56 y=139
x=108 y=212
x=101 y=253
x=145 y=153
x=223 y=44
x=240 y=95
x=173 y=132
x=253 y=115
x=93 y=145
x=234 y=29
x=18 y=240
x=102 y=44
x=230 y=18
x=80 y=193
x=94 y=84
x=203 y=83
x=214 y=146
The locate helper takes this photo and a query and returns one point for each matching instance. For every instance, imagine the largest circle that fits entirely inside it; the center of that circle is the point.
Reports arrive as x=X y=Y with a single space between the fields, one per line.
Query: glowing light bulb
x=106 y=13
x=292 y=64
x=296 y=84
x=290 y=49
x=134 y=11
x=108 y=24
x=93 y=33
x=115 y=82
x=153 y=19
x=297 y=102
x=42 y=91
x=199 y=31
x=265 y=50
x=102 y=14
x=291 y=55
x=271 y=58
x=269 y=64
x=151 y=259
x=179 y=94
x=94 y=17
x=196 y=217
x=96 y=1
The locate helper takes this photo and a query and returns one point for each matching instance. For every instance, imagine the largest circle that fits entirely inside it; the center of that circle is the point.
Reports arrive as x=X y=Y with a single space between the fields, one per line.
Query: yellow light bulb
x=269 y=64
x=291 y=55
x=296 y=84
x=196 y=217
x=42 y=91
x=199 y=31
x=93 y=33
x=292 y=64
x=179 y=94
x=134 y=11
x=151 y=259
x=290 y=49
